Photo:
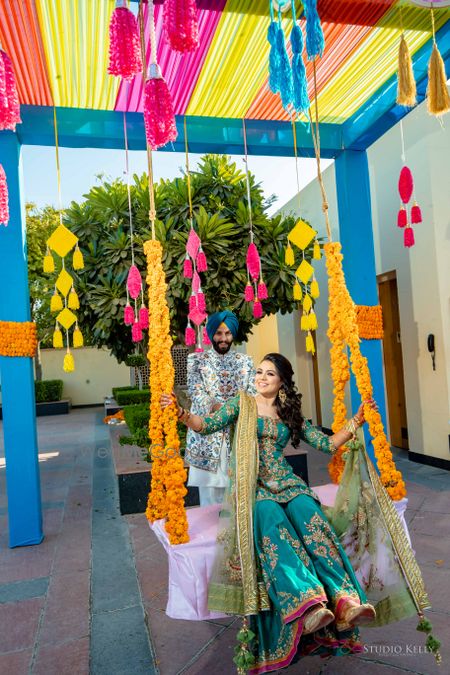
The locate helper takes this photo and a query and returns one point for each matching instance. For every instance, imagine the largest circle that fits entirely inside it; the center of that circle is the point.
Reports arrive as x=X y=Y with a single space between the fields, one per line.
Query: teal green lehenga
x=278 y=554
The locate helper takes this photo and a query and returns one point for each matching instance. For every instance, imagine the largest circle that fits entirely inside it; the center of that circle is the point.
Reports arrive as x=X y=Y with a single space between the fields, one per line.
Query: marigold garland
x=370 y=322
x=343 y=329
x=18 y=338
x=166 y=498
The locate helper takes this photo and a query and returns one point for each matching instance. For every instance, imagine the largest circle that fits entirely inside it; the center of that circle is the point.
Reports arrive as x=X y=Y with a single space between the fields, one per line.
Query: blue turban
x=225 y=317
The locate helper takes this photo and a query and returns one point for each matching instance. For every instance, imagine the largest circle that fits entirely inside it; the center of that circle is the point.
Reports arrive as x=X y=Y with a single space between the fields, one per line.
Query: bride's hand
x=360 y=414
x=169 y=399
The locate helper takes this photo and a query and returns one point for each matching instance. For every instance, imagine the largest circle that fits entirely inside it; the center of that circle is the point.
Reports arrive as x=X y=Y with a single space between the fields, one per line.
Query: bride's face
x=267 y=380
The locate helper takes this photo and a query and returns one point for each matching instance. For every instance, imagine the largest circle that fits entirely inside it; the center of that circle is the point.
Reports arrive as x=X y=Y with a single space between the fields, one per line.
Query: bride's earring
x=282 y=396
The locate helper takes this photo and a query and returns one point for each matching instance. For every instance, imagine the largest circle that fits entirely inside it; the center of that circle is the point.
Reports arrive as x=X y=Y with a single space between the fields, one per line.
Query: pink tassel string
x=124 y=46
x=408 y=237
x=143 y=317
x=206 y=340
x=159 y=117
x=402 y=218
x=192 y=303
x=253 y=261
x=262 y=291
x=257 y=309
x=180 y=19
x=201 y=302
x=128 y=315
x=416 y=214
x=136 y=332
x=189 y=336
x=9 y=99
x=197 y=316
x=134 y=282
x=4 y=208
x=195 y=283
x=249 y=294
x=405 y=184
x=187 y=268
x=193 y=243
x=202 y=265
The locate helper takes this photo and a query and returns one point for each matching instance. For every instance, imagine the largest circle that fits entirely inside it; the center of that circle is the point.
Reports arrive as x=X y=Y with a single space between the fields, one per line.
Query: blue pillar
x=17 y=377
x=356 y=236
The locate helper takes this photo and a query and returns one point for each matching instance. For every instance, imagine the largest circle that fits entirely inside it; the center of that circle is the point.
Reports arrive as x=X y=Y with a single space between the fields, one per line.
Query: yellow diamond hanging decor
x=307 y=303
x=302 y=234
x=62 y=240
x=64 y=282
x=66 y=318
x=304 y=271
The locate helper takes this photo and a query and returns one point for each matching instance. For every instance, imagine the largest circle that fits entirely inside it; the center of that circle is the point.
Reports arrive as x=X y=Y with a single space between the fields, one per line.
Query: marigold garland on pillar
x=18 y=338
x=370 y=322
x=9 y=99
x=4 y=205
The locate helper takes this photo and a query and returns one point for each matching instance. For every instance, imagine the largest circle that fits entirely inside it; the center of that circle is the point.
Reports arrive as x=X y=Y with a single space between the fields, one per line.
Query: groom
x=213 y=377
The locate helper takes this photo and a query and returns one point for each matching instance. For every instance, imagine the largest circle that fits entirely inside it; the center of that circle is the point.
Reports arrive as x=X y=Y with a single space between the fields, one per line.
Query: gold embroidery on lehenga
x=296 y=545
x=322 y=536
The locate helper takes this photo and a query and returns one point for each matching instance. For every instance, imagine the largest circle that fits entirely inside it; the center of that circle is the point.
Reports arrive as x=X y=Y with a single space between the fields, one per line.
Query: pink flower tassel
x=206 y=340
x=249 y=294
x=405 y=184
x=193 y=243
x=4 y=209
x=408 y=237
x=189 y=336
x=192 y=303
x=159 y=118
x=202 y=265
x=9 y=99
x=134 y=282
x=124 y=46
x=257 y=309
x=262 y=290
x=136 y=332
x=187 y=267
x=195 y=283
x=180 y=19
x=128 y=315
x=402 y=217
x=201 y=302
x=253 y=261
x=416 y=214
x=143 y=317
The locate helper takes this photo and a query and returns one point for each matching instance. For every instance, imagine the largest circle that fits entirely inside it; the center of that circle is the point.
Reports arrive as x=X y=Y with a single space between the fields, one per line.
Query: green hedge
x=128 y=388
x=137 y=416
x=130 y=396
x=137 y=419
x=136 y=360
x=48 y=390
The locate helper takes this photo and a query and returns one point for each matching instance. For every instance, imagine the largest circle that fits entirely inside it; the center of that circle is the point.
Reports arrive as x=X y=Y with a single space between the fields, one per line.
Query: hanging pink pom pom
x=9 y=99
x=408 y=237
x=134 y=282
x=206 y=340
x=180 y=19
x=128 y=315
x=402 y=217
x=124 y=47
x=189 y=336
x=136 y=332
x=405 y=184
x=195 y=283
x=4 y=209
x=198 y=350
x=159 y=118
x=202 y=265
x=262 y=291
x=416 y=214
x=143 y=317
x=192 y=303
x=187 y=268
x=201 y=302
x=193 y=243
x=249 y=294
x=253 y=261
x=257 y=309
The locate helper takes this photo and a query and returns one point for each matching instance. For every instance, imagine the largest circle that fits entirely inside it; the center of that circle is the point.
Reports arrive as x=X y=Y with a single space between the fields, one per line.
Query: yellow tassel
x=438 y=100
x=69 y=363
x=73 y=302
x=77 y=338
x=297 y=291
x=406 y=84
x=78 y=262
x=304 y=322
x=310 y=344
x=57 y=339
x=313 y=325
x=56 y=304
x=307 y=303
x=289 y=258
x=49 y=263
x=314 y=290
x=317 y=254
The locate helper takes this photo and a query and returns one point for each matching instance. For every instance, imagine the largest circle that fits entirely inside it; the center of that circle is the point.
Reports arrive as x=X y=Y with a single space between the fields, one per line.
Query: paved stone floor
x=91 y=597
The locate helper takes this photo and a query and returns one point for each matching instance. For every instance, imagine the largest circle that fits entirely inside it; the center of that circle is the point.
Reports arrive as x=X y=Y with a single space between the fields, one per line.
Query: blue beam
x=381 y=112
x=83 y=128
x=355 y=229
x=18 y=401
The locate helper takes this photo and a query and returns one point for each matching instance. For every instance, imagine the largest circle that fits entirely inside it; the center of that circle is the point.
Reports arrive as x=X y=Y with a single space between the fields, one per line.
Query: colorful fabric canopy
x=59 y=49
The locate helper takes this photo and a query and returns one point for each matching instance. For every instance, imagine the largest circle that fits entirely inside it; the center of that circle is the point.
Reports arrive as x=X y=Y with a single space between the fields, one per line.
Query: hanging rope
x=294 y=134
x=127 y=171
x=247 y=178
x=188 y=173
x=58 y=166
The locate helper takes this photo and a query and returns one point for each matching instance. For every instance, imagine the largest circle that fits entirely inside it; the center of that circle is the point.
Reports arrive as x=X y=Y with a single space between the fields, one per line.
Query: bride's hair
x=290 y=409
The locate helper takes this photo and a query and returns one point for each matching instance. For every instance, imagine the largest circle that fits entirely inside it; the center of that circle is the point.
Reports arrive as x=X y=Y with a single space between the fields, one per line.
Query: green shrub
x=131 y=396
x=127 y=388
x=137 y=416
x=48 y=390
x=136 y=360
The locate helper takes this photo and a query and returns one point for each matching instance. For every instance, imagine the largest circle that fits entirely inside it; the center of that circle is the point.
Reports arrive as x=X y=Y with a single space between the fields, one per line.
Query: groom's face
x=222 y=339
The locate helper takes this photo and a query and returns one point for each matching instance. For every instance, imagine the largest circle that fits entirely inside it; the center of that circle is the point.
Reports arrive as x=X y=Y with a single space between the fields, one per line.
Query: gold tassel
x=56 y=302
x=297 y=291
x=77 y=338
x=304 y=322
x=78 y=262
x=310 y=344
x=307 y=303
x=289 y=258
x=69 y=363
x=73 y=302
x=316 y=251
x=314 y=290
x=57 y=339
x=313 y=325
x=438 y=100
x=49 y=263
x=406 y=84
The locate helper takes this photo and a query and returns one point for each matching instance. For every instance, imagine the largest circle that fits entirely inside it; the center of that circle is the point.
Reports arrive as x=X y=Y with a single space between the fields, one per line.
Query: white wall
x=423 y=272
